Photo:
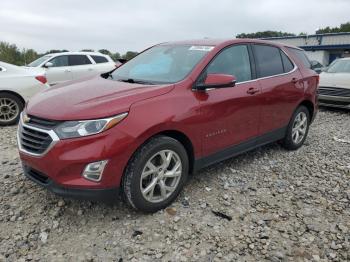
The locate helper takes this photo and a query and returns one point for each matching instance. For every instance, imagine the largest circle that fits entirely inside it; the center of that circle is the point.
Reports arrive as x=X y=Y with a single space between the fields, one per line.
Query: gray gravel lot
x=269 y=204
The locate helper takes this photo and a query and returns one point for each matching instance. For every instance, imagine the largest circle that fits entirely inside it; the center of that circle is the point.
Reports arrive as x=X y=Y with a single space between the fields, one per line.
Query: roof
x=77 y=53
x=224 y=42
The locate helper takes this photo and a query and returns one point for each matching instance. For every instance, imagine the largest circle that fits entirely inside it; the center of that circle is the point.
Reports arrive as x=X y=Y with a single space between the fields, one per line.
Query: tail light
x=41 y=79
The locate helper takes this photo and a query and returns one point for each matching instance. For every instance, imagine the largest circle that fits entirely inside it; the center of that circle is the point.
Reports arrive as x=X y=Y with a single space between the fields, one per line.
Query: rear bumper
x=107 y=195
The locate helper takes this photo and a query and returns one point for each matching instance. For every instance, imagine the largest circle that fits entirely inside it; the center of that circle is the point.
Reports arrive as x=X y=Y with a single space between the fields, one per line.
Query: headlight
x=72 y=129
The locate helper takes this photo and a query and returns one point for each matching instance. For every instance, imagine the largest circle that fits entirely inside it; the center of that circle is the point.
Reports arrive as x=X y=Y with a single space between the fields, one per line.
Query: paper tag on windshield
x=203 y=48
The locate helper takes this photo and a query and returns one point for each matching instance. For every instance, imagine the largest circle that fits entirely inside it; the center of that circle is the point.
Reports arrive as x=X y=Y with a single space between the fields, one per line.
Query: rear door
x=60 y=70
x=81 y=66
x=230 y=115
x=281 y=87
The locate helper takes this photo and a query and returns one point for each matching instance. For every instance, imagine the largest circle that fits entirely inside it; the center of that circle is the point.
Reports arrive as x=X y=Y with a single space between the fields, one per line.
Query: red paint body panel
x=211 y=120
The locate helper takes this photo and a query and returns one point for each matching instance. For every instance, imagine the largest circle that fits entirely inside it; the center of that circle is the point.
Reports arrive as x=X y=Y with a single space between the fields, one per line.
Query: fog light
x=93 y=171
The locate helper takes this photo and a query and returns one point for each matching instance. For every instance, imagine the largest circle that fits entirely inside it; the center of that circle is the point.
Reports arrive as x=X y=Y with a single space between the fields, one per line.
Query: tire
x=290 y=142
x=146 y=170
x=11 y=107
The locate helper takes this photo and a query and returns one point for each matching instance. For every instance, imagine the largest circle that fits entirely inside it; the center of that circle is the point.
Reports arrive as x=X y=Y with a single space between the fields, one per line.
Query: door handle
x=252 y=91
x=90 y=69
x=67 y=71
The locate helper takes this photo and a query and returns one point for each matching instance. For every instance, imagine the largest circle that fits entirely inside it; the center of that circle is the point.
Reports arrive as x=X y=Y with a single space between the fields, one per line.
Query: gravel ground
x=268 y=204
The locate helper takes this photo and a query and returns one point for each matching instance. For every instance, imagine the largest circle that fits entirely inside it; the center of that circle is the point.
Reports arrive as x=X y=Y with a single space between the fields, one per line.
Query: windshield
x=37 y=62
x=161 y=64
x=339 y=66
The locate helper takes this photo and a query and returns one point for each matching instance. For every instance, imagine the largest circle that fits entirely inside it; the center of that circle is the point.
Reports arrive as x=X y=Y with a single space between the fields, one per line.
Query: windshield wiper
x=135 y=81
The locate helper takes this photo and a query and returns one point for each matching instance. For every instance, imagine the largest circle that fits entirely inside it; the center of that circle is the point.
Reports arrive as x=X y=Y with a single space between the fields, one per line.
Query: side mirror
x=217 y=81
x=48 y=64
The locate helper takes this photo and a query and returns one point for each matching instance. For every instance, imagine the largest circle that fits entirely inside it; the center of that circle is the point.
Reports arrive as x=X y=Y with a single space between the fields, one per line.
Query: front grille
x=34 y=141
x=334 y=91
x=336 y=103
x=42 y=123
x=36 y=176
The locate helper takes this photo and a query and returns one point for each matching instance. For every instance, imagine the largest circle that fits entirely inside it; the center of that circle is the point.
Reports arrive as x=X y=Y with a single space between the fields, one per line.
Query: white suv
x=61 y=67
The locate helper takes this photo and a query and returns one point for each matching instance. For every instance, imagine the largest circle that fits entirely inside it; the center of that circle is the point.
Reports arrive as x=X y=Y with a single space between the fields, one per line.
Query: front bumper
x=334 y=101
x=62 y=164
x=106 y=195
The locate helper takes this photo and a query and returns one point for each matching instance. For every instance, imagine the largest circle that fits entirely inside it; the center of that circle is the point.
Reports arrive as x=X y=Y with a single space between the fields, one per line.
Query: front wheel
x=155 y=174
x=298 y=129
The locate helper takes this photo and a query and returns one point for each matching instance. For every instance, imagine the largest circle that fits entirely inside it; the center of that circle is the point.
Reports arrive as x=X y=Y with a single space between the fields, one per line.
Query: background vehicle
x=61 y=67
x=317 y=66
x=17 y=85
x=334 y=90
x=171 y=110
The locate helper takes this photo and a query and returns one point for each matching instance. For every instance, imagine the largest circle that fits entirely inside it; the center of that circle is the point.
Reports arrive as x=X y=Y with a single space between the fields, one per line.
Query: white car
x=334 y=88
x=17 y=85
x=61 y=67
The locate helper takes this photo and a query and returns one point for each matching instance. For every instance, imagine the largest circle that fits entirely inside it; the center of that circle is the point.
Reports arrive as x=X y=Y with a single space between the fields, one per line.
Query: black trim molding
x=235 y=150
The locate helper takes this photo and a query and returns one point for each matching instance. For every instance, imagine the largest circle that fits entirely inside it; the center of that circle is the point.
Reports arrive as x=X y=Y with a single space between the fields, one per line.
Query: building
x=323 y=48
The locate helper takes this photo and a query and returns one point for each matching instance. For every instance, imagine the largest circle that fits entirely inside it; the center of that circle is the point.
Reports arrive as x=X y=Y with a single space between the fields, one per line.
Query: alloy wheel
x=161 y=176
x=9 y=109
x=299 y=127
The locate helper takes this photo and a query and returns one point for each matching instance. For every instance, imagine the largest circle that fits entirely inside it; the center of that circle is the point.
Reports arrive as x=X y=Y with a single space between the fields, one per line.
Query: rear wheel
x=10 y=109
x=298 y=129
x=156 y=174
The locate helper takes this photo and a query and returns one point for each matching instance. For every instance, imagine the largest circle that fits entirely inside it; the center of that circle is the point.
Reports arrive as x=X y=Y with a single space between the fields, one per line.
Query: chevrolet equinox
x=139 y=130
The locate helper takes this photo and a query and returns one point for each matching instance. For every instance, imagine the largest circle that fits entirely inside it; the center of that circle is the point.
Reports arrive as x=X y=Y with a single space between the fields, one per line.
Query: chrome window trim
x=51 y=133
x=295 y=68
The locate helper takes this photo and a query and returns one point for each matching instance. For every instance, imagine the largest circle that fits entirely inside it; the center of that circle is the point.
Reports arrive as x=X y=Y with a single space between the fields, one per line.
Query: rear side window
x=301 y=56
x=234 y=61
x=268 y=60
x=59 y=61
x=99 y=59
x=287 y=64
x=75 y=60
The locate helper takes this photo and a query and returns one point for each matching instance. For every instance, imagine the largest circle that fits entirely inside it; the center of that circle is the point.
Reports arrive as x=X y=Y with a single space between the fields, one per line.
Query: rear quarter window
x=287 y=64
x=300 y=54
x=99 y=59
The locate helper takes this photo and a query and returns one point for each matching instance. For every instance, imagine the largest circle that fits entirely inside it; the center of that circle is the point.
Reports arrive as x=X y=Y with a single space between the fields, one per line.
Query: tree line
x=10 y=53
x=265 y=34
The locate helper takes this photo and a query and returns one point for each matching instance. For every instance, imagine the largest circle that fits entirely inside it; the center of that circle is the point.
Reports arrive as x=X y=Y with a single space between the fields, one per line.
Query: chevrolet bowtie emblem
x=26 y=118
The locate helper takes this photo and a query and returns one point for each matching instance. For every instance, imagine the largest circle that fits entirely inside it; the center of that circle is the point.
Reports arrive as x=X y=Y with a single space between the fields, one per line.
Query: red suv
x=173 y=109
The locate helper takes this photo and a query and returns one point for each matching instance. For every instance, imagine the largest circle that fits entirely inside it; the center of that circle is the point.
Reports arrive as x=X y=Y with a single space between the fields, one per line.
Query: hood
x=90 y=98
x=341 y=80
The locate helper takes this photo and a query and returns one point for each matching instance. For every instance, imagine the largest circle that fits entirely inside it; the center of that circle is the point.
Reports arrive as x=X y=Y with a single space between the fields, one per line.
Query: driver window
x=234 y=61
x=59 y=61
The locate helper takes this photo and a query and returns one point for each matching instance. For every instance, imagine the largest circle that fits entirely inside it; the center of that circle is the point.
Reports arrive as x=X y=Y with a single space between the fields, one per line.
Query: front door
x=230 y=116
x=59 y=71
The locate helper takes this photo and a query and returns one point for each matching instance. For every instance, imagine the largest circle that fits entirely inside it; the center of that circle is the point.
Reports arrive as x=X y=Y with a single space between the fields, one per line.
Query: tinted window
x=99 y=59
x=268 y=60
x=301 y=56
x=75 y=60
x=59 y=61
x=232 y=61
x=287 y=64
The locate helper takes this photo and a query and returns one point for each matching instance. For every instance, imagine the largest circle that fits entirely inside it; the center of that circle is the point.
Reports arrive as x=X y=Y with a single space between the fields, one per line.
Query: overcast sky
x=121 y=25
